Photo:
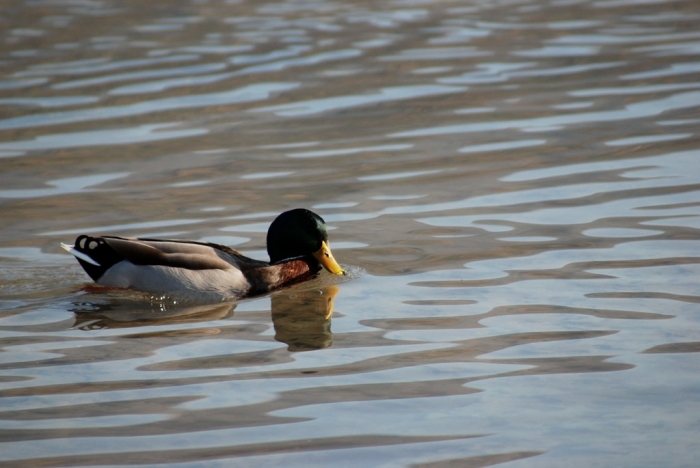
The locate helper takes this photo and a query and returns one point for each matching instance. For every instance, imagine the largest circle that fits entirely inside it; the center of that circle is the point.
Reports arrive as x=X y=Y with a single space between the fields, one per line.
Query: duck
x=297 y=243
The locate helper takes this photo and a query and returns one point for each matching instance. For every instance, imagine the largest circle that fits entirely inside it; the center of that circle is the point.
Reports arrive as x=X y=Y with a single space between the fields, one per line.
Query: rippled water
x=513 y=185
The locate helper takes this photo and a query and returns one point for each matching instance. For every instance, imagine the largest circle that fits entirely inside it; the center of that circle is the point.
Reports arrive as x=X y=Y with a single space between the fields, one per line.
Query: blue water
x=512 y=186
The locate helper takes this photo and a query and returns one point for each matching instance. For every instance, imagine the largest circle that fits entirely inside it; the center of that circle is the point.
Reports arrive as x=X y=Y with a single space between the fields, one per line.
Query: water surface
x=513 y=186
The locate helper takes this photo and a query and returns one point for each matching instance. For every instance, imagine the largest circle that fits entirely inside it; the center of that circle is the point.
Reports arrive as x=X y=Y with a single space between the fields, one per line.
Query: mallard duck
x=297 y=243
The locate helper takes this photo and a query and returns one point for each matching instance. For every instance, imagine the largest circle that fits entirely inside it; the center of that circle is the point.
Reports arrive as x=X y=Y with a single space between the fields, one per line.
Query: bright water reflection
x=513 y=188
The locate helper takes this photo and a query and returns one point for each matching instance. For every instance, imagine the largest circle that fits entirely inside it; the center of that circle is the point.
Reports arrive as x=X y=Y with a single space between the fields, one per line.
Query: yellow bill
x=325 y=257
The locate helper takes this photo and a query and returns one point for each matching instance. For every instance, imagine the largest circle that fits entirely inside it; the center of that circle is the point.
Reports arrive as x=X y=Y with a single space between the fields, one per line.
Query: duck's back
x=165 y=266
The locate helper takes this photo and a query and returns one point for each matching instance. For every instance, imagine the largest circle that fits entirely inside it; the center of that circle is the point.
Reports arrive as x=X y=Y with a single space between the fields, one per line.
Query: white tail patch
x=78 y=254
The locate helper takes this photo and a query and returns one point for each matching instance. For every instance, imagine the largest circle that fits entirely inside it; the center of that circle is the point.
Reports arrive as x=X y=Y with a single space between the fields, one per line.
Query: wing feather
x=186 y=255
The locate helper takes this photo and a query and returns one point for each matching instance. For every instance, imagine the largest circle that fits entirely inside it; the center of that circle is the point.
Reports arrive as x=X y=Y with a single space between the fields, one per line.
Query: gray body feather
x=210 y=284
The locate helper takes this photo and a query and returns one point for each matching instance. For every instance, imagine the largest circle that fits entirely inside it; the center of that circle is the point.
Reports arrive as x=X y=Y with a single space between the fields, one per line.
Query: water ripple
x=119 y=136
x=395 y=93
x=256 y=92
x=147 y=74
x=100 y=65
x=510 y=297
x=636 y=110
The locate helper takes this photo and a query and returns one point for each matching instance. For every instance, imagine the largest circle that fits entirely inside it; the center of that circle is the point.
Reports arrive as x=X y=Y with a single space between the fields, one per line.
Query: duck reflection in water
x=302 y=318
x=128 y=314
